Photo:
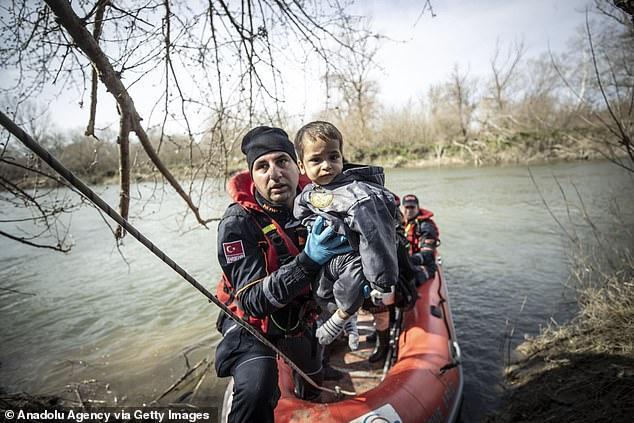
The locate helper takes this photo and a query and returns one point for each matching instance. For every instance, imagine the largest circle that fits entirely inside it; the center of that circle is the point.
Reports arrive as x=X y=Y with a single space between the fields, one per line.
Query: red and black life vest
x=413 y=235
x=278 y=247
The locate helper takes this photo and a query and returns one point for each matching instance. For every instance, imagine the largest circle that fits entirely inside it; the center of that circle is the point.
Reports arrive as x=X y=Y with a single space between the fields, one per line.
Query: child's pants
x=341 y=283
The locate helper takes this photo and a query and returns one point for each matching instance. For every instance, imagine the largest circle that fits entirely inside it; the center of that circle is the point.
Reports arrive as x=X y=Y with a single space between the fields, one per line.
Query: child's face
x=322 y=161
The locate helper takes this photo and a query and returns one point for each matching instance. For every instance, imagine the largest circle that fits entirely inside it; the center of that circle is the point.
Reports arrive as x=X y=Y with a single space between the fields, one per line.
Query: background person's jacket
x=423 y=238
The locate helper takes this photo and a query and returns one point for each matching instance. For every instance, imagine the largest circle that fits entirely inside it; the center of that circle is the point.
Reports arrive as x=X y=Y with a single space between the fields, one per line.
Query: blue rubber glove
x=323 y=244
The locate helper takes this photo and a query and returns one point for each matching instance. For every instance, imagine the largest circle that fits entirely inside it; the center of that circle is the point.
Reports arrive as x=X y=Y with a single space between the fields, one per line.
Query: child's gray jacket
x=357 y=204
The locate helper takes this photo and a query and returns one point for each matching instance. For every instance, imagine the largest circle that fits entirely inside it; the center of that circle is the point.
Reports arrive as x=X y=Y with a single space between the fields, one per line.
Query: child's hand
x=352 y=331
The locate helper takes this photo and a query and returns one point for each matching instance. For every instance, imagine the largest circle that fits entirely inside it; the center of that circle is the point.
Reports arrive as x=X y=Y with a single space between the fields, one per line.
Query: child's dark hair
x=317 y=130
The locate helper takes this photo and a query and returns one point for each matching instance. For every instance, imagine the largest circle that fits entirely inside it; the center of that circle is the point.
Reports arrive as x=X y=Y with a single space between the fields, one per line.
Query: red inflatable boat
x=423 y=385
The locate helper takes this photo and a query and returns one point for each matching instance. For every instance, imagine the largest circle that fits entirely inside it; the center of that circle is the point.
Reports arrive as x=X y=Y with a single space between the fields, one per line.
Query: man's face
x=410 y=211
x=276 y=176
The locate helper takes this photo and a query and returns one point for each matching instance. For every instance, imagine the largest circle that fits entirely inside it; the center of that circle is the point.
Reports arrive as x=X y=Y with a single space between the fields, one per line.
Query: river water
x=96 y=319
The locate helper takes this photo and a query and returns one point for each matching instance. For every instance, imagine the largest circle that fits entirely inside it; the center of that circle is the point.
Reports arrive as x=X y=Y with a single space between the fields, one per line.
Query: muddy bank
x=582 y=371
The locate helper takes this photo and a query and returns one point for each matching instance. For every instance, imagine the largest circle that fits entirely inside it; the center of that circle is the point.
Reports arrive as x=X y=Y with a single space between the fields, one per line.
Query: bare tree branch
x=111 y=80
x=100 y=8
x=57 y=247
x=215 y=59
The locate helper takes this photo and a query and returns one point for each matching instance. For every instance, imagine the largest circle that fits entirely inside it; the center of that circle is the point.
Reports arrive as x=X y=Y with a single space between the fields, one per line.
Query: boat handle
x=456 y=355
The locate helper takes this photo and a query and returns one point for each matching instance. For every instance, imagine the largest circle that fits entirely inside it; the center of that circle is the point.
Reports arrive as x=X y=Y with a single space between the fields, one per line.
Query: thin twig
x=181 y=379
x=200 y=381
x=16 y=291
x=530 y=173
x=58 y=247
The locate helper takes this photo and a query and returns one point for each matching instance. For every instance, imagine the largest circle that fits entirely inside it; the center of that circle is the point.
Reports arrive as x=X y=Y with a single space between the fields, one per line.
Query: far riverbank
x=458 y=155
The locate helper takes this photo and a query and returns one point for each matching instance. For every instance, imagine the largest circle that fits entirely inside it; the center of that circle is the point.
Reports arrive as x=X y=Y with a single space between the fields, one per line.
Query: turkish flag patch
x=234 y=251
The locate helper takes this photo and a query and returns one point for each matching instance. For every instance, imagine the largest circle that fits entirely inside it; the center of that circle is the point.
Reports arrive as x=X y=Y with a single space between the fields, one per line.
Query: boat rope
x=49 y=159
x=454 y=348
x=442 y=302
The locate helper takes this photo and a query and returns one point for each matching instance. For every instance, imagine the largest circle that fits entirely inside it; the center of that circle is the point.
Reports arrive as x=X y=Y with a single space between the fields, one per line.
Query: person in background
x=422 y=236
x=269 y=262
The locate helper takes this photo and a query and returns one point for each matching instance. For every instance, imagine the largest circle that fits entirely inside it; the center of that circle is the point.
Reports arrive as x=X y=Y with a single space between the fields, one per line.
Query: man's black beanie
x=264 y=139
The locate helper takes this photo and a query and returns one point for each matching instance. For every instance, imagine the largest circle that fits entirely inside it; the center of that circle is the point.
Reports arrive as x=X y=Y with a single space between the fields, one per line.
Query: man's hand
x=324 y=243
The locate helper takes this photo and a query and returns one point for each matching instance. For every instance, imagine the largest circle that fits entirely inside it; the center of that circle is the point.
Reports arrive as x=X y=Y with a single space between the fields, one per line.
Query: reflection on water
x=94 y=317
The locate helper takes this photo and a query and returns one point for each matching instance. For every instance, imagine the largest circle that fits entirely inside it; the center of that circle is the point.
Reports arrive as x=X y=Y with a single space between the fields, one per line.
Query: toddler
x=353 y=200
